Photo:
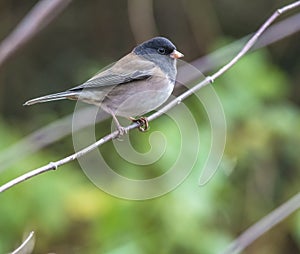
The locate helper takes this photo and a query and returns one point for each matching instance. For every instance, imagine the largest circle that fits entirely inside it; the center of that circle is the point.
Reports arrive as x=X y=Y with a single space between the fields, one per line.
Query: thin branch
x=27 y=246
x=254 y=38
x=263 y=225
x=38 y=18
x=173 y=103
x=55 y=165
x=276 y=32
x=45 y=136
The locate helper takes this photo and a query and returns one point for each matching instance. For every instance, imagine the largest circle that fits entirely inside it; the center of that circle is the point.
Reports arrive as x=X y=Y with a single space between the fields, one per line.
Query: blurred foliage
x=259 y=171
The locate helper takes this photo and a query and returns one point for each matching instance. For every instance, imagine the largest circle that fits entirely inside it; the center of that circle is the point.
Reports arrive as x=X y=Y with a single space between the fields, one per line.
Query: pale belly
x=138 y=98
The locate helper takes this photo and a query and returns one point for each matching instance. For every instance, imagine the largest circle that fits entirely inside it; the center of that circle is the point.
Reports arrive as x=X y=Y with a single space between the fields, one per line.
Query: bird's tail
x=52 y=97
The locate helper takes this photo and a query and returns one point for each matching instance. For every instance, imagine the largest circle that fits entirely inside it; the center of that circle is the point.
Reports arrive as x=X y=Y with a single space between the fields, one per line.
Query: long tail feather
x=51 y=97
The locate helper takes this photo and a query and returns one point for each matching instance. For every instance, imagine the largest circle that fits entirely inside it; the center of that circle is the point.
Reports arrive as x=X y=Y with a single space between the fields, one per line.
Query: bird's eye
x=161 y=51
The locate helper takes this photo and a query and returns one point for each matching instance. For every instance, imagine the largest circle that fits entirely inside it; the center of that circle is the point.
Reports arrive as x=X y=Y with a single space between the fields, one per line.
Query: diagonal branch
x=263 y=225
x=173 y=103
x=26 y=246
x=37 y=19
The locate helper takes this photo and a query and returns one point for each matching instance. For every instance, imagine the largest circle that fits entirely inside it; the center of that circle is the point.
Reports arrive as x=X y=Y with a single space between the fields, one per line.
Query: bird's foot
x=122 y=131
x=143 y=123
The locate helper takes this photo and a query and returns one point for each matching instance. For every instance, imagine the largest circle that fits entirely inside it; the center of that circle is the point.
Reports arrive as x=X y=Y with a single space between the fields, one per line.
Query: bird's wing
x=127 y=69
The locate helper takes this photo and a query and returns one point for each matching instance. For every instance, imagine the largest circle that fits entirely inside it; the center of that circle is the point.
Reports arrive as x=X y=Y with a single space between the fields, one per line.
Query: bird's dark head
x=158 y=45
x=160 y=51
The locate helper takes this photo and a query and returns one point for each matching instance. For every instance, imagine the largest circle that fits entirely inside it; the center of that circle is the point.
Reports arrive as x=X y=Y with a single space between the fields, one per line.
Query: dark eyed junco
x=136 y=84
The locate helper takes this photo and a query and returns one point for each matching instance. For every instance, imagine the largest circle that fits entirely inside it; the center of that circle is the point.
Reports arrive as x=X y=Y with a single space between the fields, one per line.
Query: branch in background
x=141 y=19
x=36 y=20
x=45 y=136
x=263 y=225
x=276 y=32
x=61 y=128
x=279 y=30
x=173 y=103
x=27 y=246
x=255 y=37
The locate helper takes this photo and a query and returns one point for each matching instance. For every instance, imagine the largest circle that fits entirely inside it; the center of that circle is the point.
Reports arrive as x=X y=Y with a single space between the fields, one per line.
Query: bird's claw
x=143 y=123
x=122 y=131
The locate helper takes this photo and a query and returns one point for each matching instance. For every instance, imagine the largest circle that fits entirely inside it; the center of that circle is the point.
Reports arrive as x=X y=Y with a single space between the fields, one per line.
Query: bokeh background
x=260 y=167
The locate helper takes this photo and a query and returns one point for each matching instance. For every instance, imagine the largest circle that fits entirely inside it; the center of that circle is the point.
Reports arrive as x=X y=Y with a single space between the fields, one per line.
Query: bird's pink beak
x=176 y=54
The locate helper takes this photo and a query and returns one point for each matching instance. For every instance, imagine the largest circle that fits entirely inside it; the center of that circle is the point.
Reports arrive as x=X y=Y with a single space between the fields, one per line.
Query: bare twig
x=276 y=32
x=254 y=38
x=27 y=245
x=45 y=136
x=263 y=225
x=173 y=103
x=37 y=19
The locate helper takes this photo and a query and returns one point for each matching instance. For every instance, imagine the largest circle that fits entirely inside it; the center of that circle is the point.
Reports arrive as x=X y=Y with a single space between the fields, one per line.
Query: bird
x=138 y=83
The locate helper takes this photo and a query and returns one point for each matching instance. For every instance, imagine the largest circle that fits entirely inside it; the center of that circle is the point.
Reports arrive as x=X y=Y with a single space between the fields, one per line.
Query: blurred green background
x=260 y=167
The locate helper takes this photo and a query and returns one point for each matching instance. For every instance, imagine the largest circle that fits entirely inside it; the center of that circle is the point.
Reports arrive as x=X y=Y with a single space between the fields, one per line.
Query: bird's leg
x=143 y=123
x=120 y=128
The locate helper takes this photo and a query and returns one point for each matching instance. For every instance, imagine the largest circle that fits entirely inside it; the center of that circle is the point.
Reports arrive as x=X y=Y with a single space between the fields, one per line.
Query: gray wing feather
x=111 y=80
x=119 y=74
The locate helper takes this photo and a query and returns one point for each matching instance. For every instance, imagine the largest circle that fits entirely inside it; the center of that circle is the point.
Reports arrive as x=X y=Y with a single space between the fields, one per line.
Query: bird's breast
x=138 y=97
